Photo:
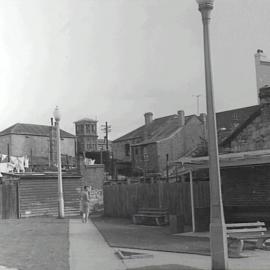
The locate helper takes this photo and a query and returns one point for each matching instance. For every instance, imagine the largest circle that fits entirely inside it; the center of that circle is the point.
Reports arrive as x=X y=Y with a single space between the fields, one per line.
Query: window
x=136 y=151
x=79 y=129
x=82 y=146
x=87 y=126
x=235 y=116
x=88 y=146
x=93 y=128
x=127 y=149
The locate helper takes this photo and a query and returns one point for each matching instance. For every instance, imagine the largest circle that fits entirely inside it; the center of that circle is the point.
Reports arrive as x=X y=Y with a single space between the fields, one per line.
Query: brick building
x=149 y=148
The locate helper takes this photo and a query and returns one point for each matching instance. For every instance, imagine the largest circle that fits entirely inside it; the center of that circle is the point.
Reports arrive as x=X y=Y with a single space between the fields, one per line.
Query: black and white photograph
x=135 y=135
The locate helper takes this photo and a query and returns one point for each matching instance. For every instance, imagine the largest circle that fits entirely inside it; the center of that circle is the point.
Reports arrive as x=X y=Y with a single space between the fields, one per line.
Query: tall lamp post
x=57 y=118
x=218 y=240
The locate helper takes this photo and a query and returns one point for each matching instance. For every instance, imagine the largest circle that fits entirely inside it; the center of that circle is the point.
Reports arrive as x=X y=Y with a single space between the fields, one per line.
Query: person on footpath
x=85 y=199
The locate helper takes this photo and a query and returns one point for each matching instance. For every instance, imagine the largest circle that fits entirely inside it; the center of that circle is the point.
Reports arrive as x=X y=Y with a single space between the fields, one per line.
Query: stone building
x=38 y=142
x=149 y=148
x=86 y=133
x=253 y=133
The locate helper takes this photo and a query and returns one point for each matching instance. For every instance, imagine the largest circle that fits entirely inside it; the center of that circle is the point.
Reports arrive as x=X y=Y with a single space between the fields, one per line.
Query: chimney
x=203 y=117
x=181 y=118
x=262 y=67
x=264 y=96
x=148 y=118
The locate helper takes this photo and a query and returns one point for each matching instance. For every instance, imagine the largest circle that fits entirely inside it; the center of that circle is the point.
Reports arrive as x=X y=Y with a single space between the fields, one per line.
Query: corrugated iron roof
x=32 y=129
x=226 y=160
x=158 y=129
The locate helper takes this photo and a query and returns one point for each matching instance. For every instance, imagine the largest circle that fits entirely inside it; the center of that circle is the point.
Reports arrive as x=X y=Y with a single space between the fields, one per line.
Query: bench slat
x=246 y=230
x=138 y=215
x=162 y=209
x=248 y=236
x=251 y=224
x=158 y=213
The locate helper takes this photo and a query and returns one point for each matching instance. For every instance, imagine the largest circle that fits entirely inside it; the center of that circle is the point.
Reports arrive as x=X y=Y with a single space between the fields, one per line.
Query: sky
x=114 y=60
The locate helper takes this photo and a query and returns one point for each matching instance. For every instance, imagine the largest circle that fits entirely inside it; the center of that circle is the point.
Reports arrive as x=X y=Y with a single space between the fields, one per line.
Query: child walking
x=85 y=199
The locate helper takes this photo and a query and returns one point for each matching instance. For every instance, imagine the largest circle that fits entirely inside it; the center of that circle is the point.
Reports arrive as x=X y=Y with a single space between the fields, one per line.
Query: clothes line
x=16 y=163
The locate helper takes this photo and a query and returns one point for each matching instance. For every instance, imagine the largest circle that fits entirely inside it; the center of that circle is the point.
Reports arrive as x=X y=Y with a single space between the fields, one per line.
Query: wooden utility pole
x=106 y=128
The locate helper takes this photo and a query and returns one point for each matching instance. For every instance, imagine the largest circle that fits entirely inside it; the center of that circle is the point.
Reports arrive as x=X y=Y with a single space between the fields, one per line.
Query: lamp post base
x=218 y=244
x=61 y=213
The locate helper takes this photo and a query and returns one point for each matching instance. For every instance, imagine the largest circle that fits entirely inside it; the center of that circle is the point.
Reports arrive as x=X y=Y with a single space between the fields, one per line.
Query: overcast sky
x=114 y=60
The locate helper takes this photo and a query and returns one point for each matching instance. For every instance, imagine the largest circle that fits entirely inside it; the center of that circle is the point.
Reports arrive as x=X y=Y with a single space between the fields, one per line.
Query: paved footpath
x=88 y=250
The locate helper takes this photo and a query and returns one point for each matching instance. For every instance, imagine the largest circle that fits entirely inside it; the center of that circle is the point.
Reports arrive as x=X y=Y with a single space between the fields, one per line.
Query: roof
x=32 y=129
x=158 y=129
x=85 y=120
x=227 y=160
x=161 y=128
x=228 y=121
x=242 y=125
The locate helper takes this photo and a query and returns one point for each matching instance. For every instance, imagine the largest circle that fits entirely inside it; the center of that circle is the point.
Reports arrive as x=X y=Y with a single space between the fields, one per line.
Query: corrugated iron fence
x=39 y=195
x=125 y=199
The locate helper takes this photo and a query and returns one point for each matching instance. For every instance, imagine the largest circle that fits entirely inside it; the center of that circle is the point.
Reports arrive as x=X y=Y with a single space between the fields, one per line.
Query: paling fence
x=9 y=200
x=124 y=200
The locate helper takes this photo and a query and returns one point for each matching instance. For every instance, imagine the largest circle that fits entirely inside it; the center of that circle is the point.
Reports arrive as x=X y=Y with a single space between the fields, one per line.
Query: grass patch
x=34 y=244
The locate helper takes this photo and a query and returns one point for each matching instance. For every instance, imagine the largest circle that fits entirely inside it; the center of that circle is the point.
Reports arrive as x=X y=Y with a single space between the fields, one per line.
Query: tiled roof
x=31 y=129
x=159 y=129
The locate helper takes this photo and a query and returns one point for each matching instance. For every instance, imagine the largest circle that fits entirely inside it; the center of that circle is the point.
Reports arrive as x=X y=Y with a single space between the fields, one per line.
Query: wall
x=246 y=193
x=21 y=145
x=181 y=143
x=92 y=175
x=138 y=159
x=4 y=141
x=118 y=149
x=68 y=146
x=256 y=136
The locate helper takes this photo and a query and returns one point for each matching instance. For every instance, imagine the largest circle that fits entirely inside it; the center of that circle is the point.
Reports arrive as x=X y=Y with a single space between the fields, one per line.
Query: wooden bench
x=151 y=216
x=238 y=232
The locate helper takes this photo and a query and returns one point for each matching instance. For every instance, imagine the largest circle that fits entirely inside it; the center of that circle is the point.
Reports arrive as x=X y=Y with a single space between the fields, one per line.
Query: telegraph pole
x=106 y=128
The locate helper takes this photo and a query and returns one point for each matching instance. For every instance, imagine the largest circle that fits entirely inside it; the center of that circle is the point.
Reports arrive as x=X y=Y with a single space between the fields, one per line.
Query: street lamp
x=57 y=118
x=218 y=240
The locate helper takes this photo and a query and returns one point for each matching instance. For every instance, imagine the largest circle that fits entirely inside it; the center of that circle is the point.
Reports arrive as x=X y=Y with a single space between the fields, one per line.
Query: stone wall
x=21 y=145
x=145 y=158
x=92 y=175
x=181 y=143
x=256 y=136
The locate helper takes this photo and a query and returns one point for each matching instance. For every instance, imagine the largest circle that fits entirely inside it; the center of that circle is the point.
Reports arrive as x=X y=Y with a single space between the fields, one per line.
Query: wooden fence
x=125 y=199
x=9 y=200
